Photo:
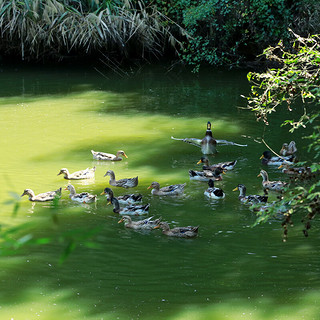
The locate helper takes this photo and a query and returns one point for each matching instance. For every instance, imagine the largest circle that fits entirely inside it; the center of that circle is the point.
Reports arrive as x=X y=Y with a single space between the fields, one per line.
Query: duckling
x=205 y=175
x=208 y=143
x=271 y=185
x=146 y=224
x=83 y=197
x=124 y=183
x=172 y=190
x=78 y=175
x=276 y=161
x=288 y=149
x=253 y=199
x=228 y=165
x=108 y=156
x=42 y=197
x=137 y=210
x=213 y=192
x=181 y=232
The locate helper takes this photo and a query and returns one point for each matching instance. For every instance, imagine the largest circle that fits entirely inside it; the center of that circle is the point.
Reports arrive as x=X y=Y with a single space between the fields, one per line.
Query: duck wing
x=193 y=141
x=225 y=143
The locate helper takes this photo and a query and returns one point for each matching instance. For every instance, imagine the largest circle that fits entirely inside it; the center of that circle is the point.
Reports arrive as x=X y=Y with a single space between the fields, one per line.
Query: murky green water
x=52 y=118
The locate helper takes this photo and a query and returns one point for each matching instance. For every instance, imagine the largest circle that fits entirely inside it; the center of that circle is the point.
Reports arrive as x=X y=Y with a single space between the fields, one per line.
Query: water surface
x=52 y=118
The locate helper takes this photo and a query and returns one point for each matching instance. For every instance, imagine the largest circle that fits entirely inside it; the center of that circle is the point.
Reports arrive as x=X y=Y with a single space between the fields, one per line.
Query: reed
x=54 y=28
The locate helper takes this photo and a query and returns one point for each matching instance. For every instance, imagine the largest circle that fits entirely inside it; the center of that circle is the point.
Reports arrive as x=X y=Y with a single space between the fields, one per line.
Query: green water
x=52 y=118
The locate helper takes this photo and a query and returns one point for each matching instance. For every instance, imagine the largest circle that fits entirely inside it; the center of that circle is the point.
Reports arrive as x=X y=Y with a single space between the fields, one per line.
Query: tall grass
x=54 y=28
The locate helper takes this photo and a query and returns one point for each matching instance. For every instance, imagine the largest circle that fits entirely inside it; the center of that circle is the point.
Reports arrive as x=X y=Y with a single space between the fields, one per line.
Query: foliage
x=294 y=83
x=54 y=28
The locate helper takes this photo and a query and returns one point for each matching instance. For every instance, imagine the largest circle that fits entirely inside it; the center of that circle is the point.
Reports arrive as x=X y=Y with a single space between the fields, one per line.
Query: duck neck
x=72 y=190
x=112 y=175
x=242 y=192
x=116 y=206
x=264 y=176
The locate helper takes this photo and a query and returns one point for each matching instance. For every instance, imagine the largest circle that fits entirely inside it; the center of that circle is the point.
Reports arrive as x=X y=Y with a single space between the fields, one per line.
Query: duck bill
x=259 y=175
x=200 y=161
x=281 y=166
x=121 y=220
x=125 y=155
x=149 y=187
x=156 y=227
x=102 y=193
x=261 y=157
x=235 y=189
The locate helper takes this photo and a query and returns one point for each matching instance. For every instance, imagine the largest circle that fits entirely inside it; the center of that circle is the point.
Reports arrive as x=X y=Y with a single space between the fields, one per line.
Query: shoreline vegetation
x=228 y=33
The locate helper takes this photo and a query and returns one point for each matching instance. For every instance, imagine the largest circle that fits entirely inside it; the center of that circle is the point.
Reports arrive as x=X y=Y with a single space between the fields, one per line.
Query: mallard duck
x=181 y=232
x=275 y=161
x=133 y=209
x=130 y=198
x=253 y=198
x=78 y=175
x=146 y=224
x=288 y=149
x=271 y=185
x=205 y=175
x=42 y=197
x=124 y=183
x=213 y=192
x=108 y=156
x=228 y=165
x=172 y=190
x=83 y=197
x=297 y=172
x=208 y=143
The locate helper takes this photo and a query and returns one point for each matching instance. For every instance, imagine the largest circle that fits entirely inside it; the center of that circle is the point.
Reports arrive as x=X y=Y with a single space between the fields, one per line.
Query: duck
x=297 y=172
x=253 y=198
x=271 y=185
x=288 y=149
x=124 y=183
x=83 y=197
x=276 y=161
x=130 y=198
x=205 y=175
x=78 y=175
x=42 y=197
x=132 y=209
x=172 y=190
x=213 y=192
x=208 y=144
x=228 y=165
x=145 y=224
x=181 y=232
x=108 y=156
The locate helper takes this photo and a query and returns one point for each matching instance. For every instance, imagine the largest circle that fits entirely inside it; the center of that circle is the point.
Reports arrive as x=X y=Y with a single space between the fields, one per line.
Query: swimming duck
x=181 y=232
x=205 y=175
x=172 y=190
x=213 y=192
x=83 y=197
x=276 y=161
x=137 y=209
x=124 y=183
x=78 y=175
x=108 y=156
x=297 y=172
x=271 y=185
x=288 y=149
x=208 y=143
x=253 y=199
x=228 y=165
x=146 y=224
x=42 y=197
x=130 y=198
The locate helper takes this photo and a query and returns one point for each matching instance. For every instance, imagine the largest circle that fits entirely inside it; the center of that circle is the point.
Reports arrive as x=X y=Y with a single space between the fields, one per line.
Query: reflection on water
x=230 y=270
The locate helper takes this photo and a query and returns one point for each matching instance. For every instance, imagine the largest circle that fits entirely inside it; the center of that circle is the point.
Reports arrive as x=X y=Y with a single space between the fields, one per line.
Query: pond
x=52 y=117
